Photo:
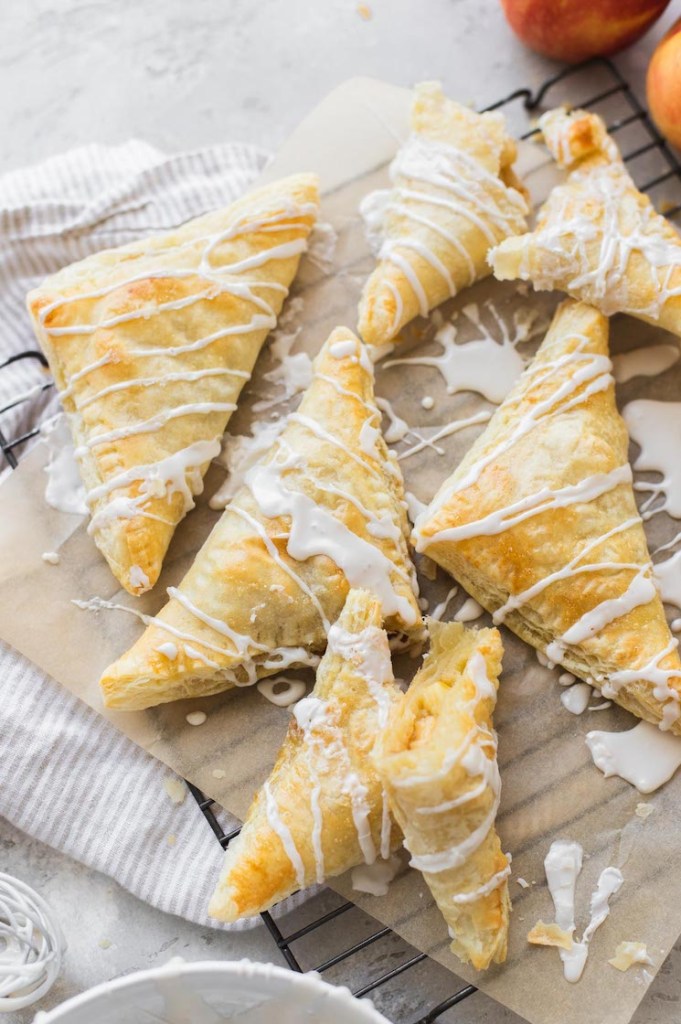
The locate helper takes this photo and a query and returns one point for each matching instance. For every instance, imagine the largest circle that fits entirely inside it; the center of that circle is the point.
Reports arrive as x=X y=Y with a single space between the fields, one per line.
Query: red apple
x=664 y=85
x=574 y=30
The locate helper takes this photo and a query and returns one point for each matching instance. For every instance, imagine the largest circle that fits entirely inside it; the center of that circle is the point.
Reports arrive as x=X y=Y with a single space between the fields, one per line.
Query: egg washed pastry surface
x=438 y=761
x=597 y=237
x=323 y=809
x=150 y=346
x=540 y=525
x=453 y=197
x=322 y=511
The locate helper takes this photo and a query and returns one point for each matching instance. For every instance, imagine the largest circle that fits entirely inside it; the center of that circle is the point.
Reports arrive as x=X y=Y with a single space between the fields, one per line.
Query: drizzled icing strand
x=230 y=278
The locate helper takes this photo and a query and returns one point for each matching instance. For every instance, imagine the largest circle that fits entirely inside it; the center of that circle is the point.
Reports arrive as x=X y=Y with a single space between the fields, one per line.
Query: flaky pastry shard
x=540 y=525
x=597 y=237
x=453 y=197
x=321 y=511
x=437 y=759
x=150 y=345
x=323 y=809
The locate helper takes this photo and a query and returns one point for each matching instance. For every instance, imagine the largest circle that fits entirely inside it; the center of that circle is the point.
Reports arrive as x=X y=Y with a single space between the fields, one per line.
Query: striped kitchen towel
x=67 y=776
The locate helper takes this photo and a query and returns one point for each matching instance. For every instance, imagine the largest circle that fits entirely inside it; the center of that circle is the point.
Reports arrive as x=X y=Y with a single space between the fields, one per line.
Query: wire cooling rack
x=378 y=952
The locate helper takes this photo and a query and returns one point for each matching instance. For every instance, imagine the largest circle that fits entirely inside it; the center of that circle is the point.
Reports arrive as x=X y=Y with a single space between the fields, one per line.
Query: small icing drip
x=369 y=652
x=239 y=453
x=642 y=756
x=196 y=717
x=292 y=372
x=427 y=402
x=566 y=679
x=469 y=611
x=466 y=366
x=282 y=691
x=321 y=249
x=169 y=649
x=668 y=578
x=440 y=609
x=603 y=706
x=656 y=429
x=563 y=864
x=415 y=507
x=576 y=698
x=138 y=578
x=51 y=557
x=375 y=878
x=647 y=361
x=284 y=834
x=64 y=490
x=397 y=429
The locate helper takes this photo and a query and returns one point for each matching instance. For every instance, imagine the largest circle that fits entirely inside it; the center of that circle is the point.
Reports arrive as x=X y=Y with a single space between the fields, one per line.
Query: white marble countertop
x=182 y=75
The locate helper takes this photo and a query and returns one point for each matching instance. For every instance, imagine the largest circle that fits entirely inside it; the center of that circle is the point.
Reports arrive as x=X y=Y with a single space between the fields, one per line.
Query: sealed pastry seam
x=150 y=346
x=323 y=510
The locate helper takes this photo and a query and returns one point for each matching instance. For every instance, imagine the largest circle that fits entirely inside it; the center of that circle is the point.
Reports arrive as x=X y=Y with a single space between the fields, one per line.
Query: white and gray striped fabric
x=66 y=775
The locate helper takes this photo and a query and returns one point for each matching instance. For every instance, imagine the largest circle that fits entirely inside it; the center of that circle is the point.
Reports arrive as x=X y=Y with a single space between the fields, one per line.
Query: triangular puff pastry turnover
x=322 y=511
x=453 y=197
x=597 y=237
x=150 y=346
x=540 y=525
x=323 y=809
x=437 y=759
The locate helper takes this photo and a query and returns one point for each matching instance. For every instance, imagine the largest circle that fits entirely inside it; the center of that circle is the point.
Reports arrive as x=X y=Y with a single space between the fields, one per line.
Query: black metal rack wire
x=654 y=166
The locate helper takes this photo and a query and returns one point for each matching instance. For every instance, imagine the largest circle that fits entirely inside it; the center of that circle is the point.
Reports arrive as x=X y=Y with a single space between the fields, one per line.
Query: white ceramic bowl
x=214 y=993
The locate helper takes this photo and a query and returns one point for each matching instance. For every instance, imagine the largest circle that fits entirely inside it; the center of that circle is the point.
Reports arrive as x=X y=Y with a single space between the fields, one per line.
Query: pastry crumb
x=171 y=839
x=176 y=790
x=523 y=883
x=219 y=773
x=196 y=717
x=628 y=954
x=51 y=557
x=549 y=935
x=105 y=943
x=365 y=12
x=643 y=810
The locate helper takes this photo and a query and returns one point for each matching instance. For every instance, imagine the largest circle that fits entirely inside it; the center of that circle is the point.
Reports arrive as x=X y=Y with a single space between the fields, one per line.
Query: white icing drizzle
x=225 y=278
x=641 y=590
x=589 y=230
x=281 y=691
x=576 y=698
x=282 y=830
x=658 y=677
x=450 y=428
x=440 y=609
x=463 y=898
x=469 y=611
x=466 y=366
x=316 y=531
x=641 y=756
x=647 y=361
x=64 y=489
x=375 y=878
x=563 y=864
x=591 y=375
x=464 y=188
x=656 y=429
x=169 y=649
x=239 y=453
x=668 y=579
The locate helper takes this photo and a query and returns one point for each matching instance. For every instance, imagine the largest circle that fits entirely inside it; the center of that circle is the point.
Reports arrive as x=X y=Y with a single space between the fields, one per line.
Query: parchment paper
x=550 y=787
